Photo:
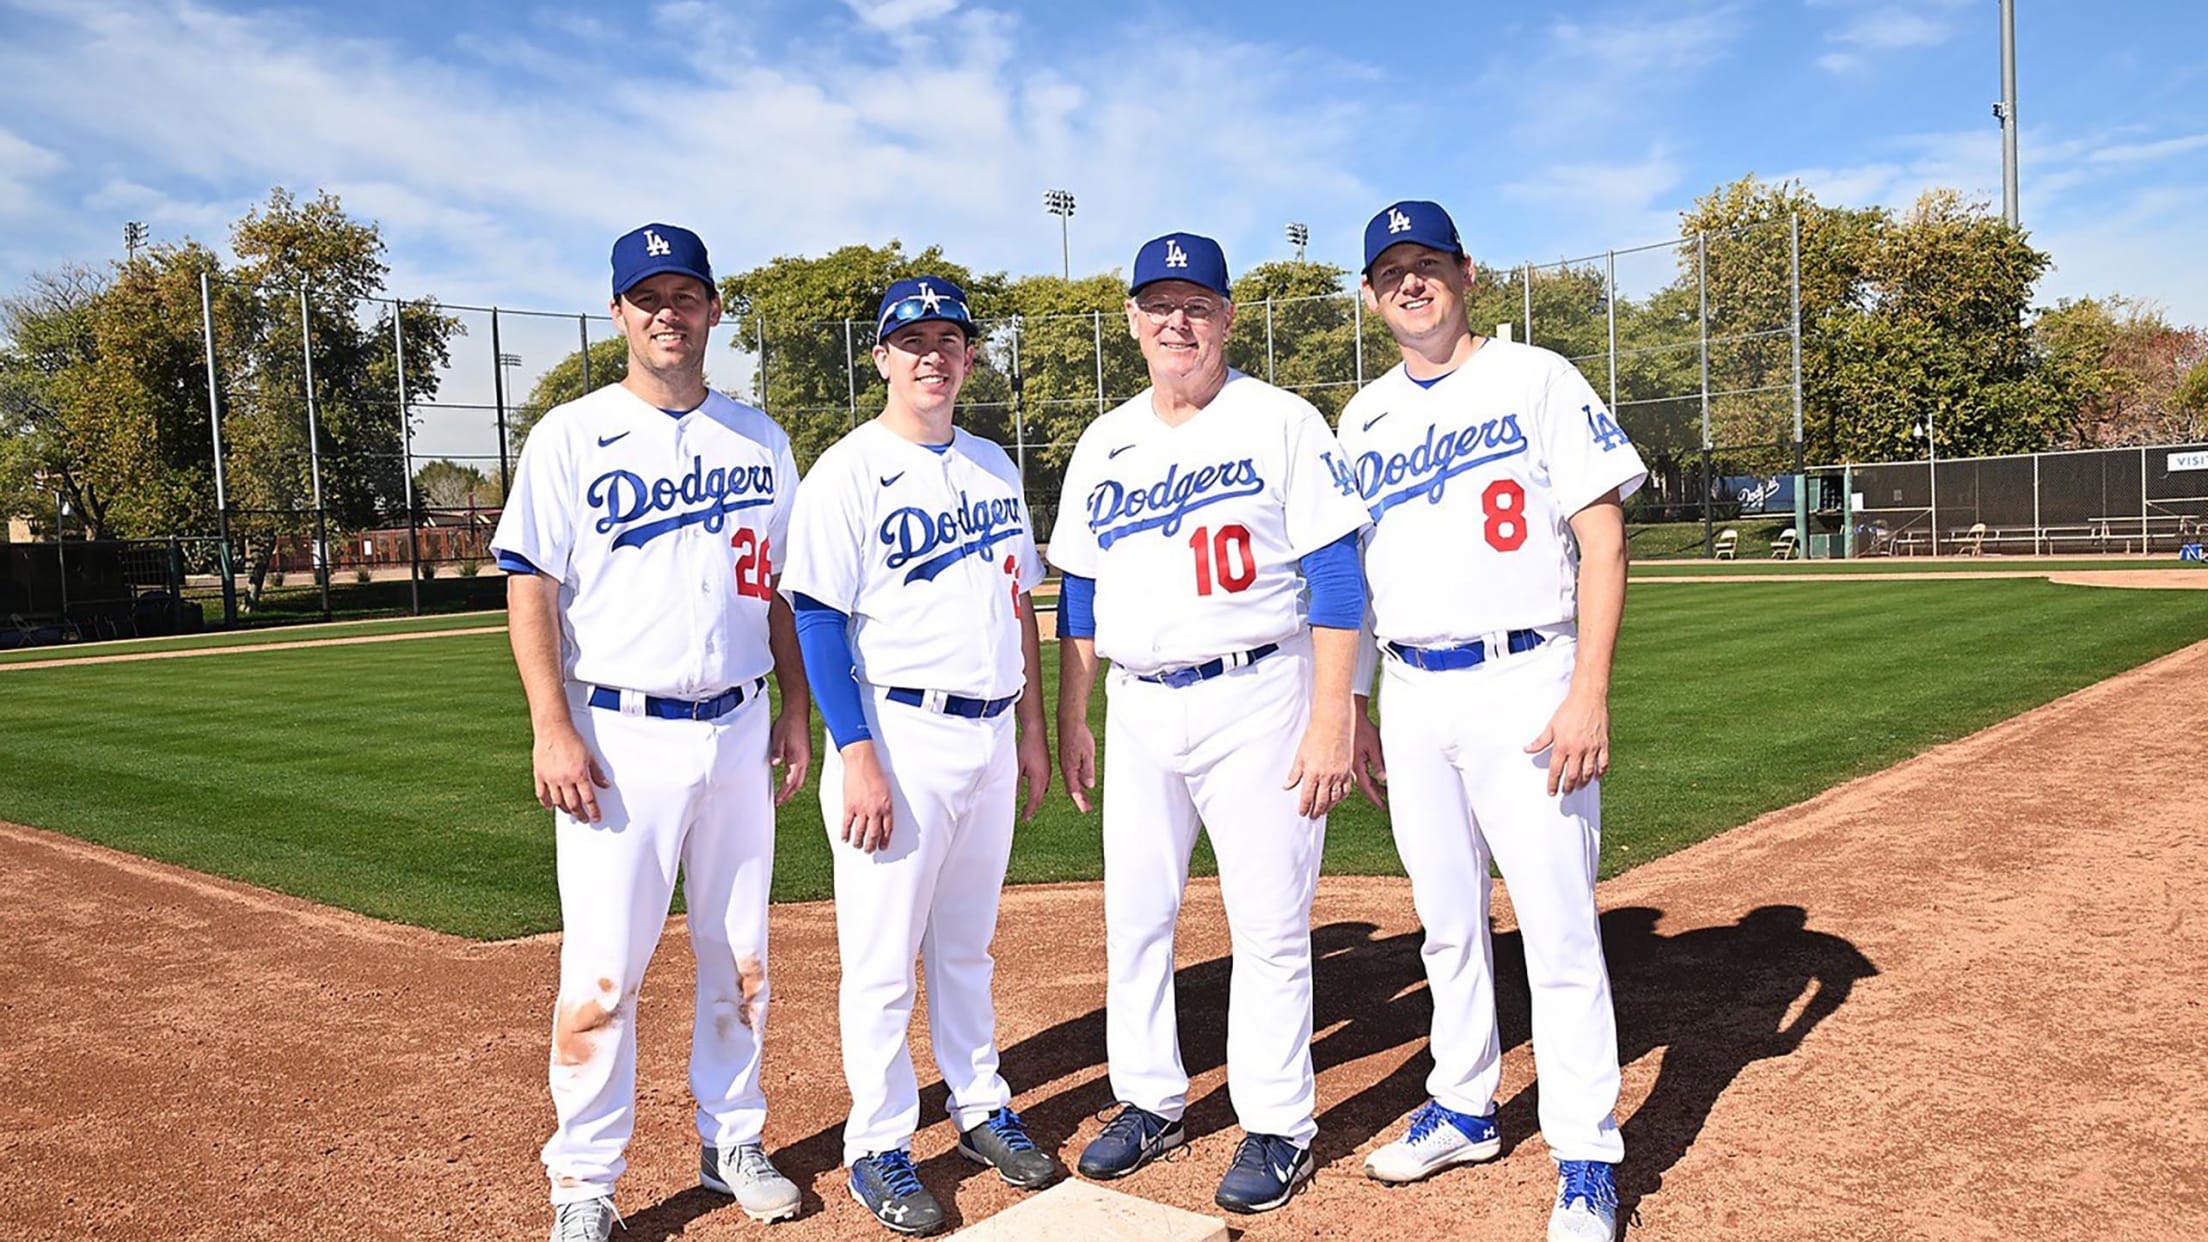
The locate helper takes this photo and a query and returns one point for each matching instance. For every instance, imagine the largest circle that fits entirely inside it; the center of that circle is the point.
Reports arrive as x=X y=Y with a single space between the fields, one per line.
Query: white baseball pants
x=932 y=893
x=1216 y=752
x=689 y=794
x=1462 y=790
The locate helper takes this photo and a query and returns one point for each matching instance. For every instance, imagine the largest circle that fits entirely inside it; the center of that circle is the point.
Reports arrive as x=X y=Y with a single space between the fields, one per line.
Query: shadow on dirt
x=1715 y=999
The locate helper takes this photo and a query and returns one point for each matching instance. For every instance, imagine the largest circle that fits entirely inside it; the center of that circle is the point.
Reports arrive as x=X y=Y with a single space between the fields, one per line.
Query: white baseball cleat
x=1586 y=1202
x=745 y=1172
x=1437 y=1139
x=589 y=1221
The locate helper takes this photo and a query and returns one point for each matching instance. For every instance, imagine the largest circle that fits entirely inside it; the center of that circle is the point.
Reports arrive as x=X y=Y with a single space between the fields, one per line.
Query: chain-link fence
x=2090 y=501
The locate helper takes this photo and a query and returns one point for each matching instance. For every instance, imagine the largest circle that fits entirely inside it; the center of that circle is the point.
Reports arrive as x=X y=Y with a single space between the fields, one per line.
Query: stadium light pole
x=1060 y=204
x=1299 y=236
x=134 y=236
x=2005 y=112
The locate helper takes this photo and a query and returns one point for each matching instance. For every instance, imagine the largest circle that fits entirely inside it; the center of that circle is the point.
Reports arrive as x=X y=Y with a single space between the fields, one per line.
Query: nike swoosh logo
x=1376 y=418
x=1116 y=452
x=604 y=441
x=888 y=479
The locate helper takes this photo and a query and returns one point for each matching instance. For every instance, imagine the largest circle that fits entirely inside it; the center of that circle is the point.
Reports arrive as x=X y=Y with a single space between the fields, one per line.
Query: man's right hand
x=1077 y=760
x=568 y=776
x=867 y=816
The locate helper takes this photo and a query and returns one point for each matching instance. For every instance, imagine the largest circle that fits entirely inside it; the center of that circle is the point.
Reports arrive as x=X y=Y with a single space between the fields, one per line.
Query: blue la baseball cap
x=1182 y=256
x=657 y=248
x=918 y=299
x=1412 y=220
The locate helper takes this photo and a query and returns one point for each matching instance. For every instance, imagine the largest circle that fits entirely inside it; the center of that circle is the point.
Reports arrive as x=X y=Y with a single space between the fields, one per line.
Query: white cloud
x=2143 y=152
x=1840 y=62
x=23 y=164
x=897 y=15
x=1894 y=26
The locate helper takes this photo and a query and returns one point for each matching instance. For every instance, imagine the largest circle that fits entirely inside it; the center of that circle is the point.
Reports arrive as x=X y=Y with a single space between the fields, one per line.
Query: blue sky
x=502 y=146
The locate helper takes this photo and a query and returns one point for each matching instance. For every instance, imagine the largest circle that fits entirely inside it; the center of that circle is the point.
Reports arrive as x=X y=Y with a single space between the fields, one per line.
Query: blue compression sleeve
x=1337 y=581
x=515 y=563
x=1076 y=607
x=823 y=635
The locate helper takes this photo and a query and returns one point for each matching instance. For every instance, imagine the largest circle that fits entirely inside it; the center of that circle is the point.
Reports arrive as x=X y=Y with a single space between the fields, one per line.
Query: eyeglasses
x=928 y=306
x=1160 y=310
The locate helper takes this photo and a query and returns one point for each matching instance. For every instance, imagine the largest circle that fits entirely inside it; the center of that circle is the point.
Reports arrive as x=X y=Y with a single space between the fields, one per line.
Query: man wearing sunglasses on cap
x=1208 y=536
x=911 y=560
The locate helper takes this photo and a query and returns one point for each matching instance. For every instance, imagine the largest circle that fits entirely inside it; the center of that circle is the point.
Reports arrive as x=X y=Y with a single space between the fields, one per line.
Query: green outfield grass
x=255 y=638
x=393 y=778
x=1748 y=566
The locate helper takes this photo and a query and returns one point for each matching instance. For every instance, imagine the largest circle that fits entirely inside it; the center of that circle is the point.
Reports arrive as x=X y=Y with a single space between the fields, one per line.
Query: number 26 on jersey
x=752 y=564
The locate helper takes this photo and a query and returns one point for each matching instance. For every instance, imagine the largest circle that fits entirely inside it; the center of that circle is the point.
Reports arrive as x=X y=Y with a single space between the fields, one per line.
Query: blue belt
x=1209 y=669
x=1467 y=655
x=953 y=704
x=682 y=709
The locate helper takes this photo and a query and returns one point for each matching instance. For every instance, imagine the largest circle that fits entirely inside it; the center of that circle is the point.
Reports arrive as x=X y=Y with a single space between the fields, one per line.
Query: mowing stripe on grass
x=393 y=779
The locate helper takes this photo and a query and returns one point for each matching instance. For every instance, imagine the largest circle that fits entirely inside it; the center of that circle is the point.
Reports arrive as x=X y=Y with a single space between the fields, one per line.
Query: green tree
x=1295 y=326
x=2190 y=404
x=1745 y=246
x=608 y=363
x=45 y=337
x=2121 y=364
x=817 y=318
x=443 y=484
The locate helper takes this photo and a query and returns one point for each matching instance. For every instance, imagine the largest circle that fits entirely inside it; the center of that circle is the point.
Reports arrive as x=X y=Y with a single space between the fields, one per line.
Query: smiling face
x=667 y=319
x=1182 y=328
x=924 y=365
x=1419 y=293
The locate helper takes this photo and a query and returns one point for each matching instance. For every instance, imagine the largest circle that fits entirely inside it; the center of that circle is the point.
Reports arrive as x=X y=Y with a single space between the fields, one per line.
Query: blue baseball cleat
x=1265 y=1173
x=1586 y=1202
x=1131 y=1139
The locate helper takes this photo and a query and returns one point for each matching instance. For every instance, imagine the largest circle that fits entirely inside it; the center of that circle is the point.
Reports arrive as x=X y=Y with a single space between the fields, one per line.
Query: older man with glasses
x=911 y=559
x=1208 y=536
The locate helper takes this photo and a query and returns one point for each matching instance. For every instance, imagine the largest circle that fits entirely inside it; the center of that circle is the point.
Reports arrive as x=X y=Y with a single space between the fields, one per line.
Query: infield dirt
x=1957 y=999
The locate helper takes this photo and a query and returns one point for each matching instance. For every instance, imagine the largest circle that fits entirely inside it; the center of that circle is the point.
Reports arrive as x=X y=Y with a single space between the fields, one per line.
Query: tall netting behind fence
x=1695 y=345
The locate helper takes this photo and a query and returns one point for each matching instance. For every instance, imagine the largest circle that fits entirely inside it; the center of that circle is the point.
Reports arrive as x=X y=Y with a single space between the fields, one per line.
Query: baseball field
x=1916 y=833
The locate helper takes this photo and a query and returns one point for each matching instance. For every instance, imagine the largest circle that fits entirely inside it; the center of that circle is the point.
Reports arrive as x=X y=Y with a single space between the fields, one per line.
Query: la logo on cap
x=1174 y=255
x=656 y=245
x=1397 y=221
x=930 y=299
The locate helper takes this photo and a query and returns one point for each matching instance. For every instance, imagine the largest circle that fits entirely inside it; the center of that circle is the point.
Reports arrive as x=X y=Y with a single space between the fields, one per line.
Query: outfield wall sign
x=2189 y=461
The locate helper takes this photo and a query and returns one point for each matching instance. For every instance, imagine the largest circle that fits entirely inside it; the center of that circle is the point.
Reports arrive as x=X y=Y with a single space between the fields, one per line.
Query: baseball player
x=641 y=539
x=1196 y=519
x=1496 y=561
x=910 y=564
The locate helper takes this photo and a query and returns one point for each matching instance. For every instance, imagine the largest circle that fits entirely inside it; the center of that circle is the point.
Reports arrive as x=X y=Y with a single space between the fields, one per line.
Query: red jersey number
x=752 y=561
x=1504 y=502
x=1224 y=558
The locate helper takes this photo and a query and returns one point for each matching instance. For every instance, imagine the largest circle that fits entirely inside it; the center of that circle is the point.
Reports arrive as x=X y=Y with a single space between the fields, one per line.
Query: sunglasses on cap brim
x=914 y=309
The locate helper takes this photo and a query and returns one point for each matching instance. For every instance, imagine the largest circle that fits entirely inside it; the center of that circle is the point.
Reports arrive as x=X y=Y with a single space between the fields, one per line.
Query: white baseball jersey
x=1472 y=485
x=663 y=533
x=928 y=552
x=1193 y=533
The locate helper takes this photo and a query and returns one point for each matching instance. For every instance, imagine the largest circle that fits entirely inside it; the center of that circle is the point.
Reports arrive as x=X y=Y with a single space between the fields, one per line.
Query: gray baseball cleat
x=745 y=1172
x=1001 y=1142
x=591 y=1220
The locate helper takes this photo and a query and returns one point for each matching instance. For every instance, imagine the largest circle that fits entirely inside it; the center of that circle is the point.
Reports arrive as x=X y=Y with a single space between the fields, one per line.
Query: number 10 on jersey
x=1223 y=558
